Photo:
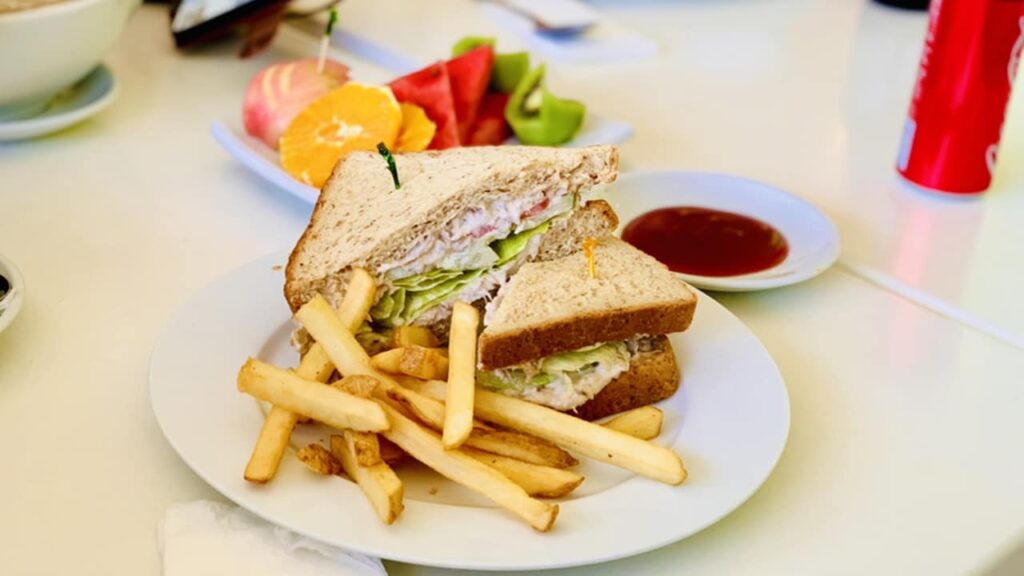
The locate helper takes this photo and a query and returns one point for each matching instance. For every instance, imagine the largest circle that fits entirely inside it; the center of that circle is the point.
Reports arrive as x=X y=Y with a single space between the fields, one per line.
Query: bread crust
x=651 y=378
x=520 y=346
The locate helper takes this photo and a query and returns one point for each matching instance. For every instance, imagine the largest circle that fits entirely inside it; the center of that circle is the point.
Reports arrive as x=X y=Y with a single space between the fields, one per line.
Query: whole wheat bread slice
x=595 y=219
x=554 y=306
x=652 y=377
x=361 y=220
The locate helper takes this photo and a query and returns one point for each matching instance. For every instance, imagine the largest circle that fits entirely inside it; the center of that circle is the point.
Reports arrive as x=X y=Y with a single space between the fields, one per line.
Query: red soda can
x=971 y=54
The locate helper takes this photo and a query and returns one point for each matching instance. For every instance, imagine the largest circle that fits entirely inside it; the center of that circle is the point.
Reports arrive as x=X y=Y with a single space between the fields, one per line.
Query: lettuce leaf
x=414 y=295
x=420 y=302
x=427 y=280
x=572 y=364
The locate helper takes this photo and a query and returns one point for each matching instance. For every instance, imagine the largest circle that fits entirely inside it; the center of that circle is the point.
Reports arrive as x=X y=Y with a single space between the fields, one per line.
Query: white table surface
x=904 y=455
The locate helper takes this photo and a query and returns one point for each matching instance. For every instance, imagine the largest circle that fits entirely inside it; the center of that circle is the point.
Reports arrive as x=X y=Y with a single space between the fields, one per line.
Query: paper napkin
x=206 y=538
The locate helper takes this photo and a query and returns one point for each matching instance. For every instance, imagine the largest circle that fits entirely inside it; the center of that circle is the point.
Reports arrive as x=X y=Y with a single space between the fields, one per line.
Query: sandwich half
x=588 y=346
x=461 y=223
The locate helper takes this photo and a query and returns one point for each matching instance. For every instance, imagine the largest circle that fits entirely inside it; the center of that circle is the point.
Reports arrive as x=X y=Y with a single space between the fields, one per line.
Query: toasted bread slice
x=595 y=219
x=362 y=220
x=554 y=306
x=652 y=377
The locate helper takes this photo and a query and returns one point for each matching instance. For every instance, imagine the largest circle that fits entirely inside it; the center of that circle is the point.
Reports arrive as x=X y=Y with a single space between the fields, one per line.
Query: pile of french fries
x=418 y=400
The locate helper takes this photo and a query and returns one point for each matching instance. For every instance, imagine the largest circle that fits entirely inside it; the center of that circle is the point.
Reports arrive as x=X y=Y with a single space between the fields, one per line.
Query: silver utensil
x=543 y=27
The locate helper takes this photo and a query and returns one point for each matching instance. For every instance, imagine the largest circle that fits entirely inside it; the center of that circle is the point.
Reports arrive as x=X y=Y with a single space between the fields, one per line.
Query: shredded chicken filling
x=567 y=380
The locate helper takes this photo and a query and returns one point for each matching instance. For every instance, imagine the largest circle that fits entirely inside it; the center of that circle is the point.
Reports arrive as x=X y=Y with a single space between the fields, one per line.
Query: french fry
x=537 y=480
x=365 y=446
x=270 y=445
x=379 y=482
x=320 y=320
x=584 y=437
x=459 y=467
x=423 y=362
x=426 y=363
x=312 y=399
x=426 y=410
x=354 y=309
x=458 y=408
x=278 y=426
x=517 y=445
x=388 y=361
x=360 y=294
x=319 y=460
x=358 y=385
x=508 y=443
x=413 y=336
x=521 y=447
x=644 y=422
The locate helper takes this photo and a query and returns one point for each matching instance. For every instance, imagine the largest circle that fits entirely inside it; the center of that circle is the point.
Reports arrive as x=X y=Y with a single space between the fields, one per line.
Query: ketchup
x=707 y=242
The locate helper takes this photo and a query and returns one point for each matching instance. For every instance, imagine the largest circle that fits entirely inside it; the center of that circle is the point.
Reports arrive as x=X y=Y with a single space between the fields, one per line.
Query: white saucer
x=813 y=239
x=11 y=303
x=80 y=101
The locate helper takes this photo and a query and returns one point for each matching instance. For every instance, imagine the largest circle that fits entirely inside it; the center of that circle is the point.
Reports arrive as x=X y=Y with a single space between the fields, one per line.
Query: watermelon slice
x=430 y=89
x=490 y=128
x=469 y=74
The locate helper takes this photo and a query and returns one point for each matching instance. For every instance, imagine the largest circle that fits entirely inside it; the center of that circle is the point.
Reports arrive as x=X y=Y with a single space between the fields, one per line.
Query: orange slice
x=352 y=117
x=417 y=129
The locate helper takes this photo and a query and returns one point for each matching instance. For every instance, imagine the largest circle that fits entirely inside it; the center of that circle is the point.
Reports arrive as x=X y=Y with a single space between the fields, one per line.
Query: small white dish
x=812 y=237
x=729 y=422
x=10 y=304
x=85 y=98
x=266 y=163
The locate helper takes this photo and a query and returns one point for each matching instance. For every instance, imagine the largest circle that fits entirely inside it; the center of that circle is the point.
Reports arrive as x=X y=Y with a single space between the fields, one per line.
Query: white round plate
x=10 y=304
x=85 y=98
x=813 y=239
x=729 y=422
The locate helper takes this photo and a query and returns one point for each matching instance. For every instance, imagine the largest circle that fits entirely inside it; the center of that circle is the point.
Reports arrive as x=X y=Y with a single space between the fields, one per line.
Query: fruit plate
x=266 y=163
x=729 y=422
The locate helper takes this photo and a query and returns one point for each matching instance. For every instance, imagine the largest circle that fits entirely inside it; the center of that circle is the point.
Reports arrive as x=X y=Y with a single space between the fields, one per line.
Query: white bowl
x=49 y=48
